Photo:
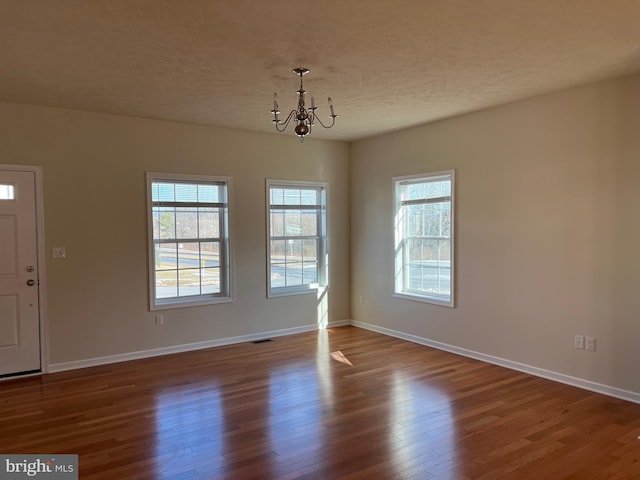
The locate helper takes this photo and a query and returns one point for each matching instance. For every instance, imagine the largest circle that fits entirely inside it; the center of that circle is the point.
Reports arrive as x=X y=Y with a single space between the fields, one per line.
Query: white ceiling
x=386 y=64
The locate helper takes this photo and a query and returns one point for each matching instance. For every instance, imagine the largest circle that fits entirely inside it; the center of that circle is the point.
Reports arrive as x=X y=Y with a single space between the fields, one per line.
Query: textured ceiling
x=386 y=64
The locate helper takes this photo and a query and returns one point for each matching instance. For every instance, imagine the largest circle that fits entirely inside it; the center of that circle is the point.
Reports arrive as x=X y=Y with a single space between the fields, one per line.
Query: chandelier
x=305 y=118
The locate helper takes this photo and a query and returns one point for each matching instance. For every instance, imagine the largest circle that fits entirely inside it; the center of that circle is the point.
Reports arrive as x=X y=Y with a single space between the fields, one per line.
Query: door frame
x=40 y=248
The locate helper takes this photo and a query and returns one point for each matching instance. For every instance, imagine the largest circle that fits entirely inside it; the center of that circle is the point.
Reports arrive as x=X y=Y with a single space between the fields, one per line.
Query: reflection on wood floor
x=288 y=409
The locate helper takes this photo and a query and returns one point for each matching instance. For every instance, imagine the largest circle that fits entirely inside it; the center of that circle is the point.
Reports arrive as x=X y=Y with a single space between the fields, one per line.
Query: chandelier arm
x=284 y=123
x=333 y=121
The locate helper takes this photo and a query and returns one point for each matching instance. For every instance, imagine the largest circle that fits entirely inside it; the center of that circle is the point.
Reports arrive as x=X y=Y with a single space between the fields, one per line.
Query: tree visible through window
x=189 y=233
x=424 y=230
x=296 y=236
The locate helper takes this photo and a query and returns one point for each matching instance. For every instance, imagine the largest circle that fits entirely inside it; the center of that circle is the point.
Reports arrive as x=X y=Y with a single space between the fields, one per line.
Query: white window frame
x=323 y=236
x=401 y=261
x=226 y=257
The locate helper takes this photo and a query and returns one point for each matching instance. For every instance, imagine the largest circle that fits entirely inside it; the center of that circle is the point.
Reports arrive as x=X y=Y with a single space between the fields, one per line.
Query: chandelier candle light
x=305 y=117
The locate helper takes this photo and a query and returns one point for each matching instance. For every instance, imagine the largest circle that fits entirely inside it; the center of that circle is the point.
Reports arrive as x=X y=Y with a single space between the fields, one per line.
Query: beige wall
x=548 y=231
x=95 y=205
x=547 y=228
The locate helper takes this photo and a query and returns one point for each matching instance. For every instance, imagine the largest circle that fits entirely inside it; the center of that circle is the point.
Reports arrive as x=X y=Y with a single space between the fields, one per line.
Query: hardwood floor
x=288 y=409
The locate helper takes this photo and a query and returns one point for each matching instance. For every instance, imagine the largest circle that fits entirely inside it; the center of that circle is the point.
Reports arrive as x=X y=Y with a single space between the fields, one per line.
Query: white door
x=19 y=321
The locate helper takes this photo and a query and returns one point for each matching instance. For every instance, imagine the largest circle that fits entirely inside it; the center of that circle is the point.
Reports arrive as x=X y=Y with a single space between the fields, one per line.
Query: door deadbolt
x=30 y=268
x=31 y=282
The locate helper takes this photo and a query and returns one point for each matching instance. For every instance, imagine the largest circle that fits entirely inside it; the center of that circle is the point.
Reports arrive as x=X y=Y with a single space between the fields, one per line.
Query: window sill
x=425 y=299
x=190 y=303
x=287 y=293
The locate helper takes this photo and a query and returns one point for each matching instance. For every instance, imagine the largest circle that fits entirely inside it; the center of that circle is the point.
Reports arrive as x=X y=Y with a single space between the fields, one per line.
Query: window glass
x=296 y=237
x=424 y=229
x=7 y=192
x=190 y=235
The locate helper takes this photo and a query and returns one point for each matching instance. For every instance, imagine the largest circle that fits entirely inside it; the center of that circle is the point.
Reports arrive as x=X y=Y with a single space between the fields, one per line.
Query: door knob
x=31 y=282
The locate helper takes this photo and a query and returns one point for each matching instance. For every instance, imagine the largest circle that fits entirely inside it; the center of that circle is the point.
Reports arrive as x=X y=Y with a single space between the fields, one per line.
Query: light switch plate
x=59 y=252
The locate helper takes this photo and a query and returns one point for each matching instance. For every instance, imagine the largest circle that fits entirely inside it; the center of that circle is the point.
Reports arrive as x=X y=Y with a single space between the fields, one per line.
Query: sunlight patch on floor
x=339 y=356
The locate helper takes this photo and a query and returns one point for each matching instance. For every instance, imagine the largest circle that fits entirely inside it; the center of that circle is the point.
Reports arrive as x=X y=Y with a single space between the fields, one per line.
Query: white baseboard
x=155 y=352
x=339 y=323
x=521 y=367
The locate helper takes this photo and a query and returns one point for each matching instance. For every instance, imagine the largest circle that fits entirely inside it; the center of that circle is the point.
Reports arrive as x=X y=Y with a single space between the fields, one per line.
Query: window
x=7 y=192
x=296 y=237
x=189 y=240
x=424 y=237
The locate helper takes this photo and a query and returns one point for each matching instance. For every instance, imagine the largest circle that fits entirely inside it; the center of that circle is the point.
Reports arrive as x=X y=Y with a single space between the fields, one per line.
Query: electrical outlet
x=579 y=342
x=590 y=344
x=159 y=319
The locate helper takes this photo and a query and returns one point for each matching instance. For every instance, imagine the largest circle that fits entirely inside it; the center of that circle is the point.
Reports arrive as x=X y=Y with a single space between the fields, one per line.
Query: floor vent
x=262 y=341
